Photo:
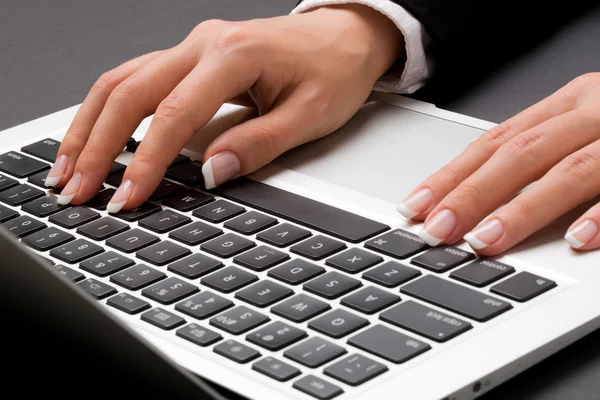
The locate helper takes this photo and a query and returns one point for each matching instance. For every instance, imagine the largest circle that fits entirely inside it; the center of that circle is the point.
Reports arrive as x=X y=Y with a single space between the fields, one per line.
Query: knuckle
x=233 y=38
x=107 y=81
x=76 y=136
x=318 y=101
x=171 y=107
x=585 y=80
x=207 y=26
x=124 y=91
x=581 y=166
x=449 y=175
x=264 y=143
x=145 y=160
x=466 y=193
x=498 y=135
x=525 y=144
x=524 y=209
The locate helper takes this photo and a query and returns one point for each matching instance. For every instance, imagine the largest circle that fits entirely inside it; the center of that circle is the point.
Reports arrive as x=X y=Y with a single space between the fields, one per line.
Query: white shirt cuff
x=418 y=65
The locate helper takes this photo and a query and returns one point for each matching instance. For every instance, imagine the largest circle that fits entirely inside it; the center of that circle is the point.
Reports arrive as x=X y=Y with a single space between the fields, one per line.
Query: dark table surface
x=51 y=52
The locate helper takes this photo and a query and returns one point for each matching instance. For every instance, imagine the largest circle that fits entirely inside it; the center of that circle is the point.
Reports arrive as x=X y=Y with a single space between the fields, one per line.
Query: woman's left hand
x=555 y=143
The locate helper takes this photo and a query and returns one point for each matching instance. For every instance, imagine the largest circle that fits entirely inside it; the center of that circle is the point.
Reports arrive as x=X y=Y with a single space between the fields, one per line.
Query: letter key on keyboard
x=102 y=228
x=229 y=279
x=370 y=300
x=227 y=245
x=318 y=247
x=218 y=211
x=195 y=233
x=283 y=235
x=164 y=221
x=188 y=200
x=391 y=274
x=332 y=285
x=44 y=206
x=250 y=223
x=163 y=253
x=132 y=240
x=74 y=217
x=300 y=308
x=264 y=293
x=296 y=271
x=261 y=258
x=195 y=266
x=354 y=260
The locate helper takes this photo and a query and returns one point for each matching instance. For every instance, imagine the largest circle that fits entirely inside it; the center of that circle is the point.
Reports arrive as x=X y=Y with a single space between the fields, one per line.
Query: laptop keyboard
x=249 y=270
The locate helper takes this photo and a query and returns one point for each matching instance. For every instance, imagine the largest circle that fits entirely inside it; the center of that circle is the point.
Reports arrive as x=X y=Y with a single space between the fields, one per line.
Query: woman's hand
x=555 y=143
x=307 y=74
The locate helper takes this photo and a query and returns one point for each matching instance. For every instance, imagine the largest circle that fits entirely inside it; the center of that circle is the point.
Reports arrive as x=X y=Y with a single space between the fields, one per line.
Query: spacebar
x=304 y=211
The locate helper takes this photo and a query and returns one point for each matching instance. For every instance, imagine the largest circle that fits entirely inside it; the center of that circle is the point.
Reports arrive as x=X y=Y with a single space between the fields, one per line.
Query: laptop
x=300 y=281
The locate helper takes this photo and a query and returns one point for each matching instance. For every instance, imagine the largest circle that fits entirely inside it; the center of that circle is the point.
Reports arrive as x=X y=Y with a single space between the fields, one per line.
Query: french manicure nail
x=485 y=235
x=70 y=190
x=416 y=203
x=582 y=233
x=438 y=228
x=120 y=197
x=57 y=171
x=220 y=168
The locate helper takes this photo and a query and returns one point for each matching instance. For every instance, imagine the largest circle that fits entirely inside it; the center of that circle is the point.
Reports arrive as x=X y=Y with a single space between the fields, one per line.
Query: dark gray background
x=51 y=52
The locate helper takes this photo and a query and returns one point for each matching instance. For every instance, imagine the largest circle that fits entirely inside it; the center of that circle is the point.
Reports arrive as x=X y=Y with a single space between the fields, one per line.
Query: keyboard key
x=164 y=221
x=425 y=321
x=20 y=194
x=236 y=351
x=283 y=235
x=218 y=211
x=229 y=279
x=355 y=370
x=354 y=260
x=204 y=305
x=398 y=244
x=199 y=335
x=261 y=258
x=165 y=189
x=189 y=173
x=163 y=253
x=300 y=308
x=338 y=323
x=227 y=245
x=250 y=223
x=188 y=200
x=388 y=344
x=117 y=167
x=138 y=213
x=47 y=238
x=132 y=240
x=169 y=290
x=45 y=149
x=137 y=277
x=103 y=228
x=23 y=225
x=276 y=336
x=264 y=293
x=523 y=287
x=99 y=290
x=370 y=300
x=317 y=387
x=6 y=182
x=314 y=352
x=195 y=233
x=76 y=251
x=442 y=259
x=132 y=145
x=482 y=272
x=296 y=271
x=115 y=178
x=43 y=207
x=20 y=165
x=162 y=318
x=332 y=285
x=276 y=369
x=180 y=159
x=39 y=179
x=106 y=263
x=101 y=200
x=456 y=298
x=74 y=217
x=391 y=274
x=239 y=320
x=69 y=273
x=195 y=266
x=318 y=247
x=7 y=213
x=128 y=303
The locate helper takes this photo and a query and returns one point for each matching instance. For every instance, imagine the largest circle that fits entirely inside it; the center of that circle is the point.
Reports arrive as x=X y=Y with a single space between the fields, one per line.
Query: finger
x=584 y=234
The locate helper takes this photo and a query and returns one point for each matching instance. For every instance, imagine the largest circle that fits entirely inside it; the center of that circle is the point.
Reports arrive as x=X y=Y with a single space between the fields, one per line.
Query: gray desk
x=51 y=52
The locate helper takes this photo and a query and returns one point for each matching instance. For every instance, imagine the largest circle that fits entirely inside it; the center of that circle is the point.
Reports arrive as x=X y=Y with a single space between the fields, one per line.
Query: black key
x=482 y=272
x=317 y=387
x=338 y=323
x=204 y=305
x=162 y=318
x=332 y=285
x=128 y=303
x=355 y=370
x=229 y=279
x=163 y=253
x=17 y=195
x=456 y=298
x=132 y=145
x=296 y=271
x=6 y=182
x=398 y=244
x=7 y=213
x=278 y=370
x=425 y=321
x=76 y=251
x=264 y=293
x=165 y=189
x=318 y=247
x=103 y=228
x=314 y=352
x=195 y=266
x=388 y=344
x=101 y=200
x=199 y=335
x=239 y=320
x=39 y=179
x=23 y=225
x=283 y=235
x=227 y=245
x=106 y=263
x=218 y=211
x=391 y=274
x=20 y=165
x=189 y=173
x=354 y=260
x=442 y=259
x=300 y=308
x=45 y=149
x=276 y=336
x=250 y=223
x=370 y=300
x=117 y=167
x=74 y=217
x=164 y=221
x=132 y=240
x=69 y=273
x=138 y=213
x=44 y=206
x=170 y=290
x=195 y=233
x=47 y=238
x=301 y=210
x=261 y=258
x=188 y=200
x=236 y=351
x=115 y=178
x=99 y=290
x=137 y=277
x=180 y=159
x=523 y=286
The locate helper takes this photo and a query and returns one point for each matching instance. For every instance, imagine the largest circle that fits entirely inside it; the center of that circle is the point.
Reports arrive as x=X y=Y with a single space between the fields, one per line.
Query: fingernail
x=57 y=171
x=582 y=233
x=70 y=189
x=485 y=235
x=438 y=228
x=416 y=203
x=220 y=168
x=120 y=197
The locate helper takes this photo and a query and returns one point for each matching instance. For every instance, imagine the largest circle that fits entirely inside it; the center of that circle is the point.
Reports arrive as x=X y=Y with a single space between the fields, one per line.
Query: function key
x=276 y=369
x=370 y=300
x=99 y=290
x=137 y=277
x=296 y=271
x=68 y=273
x=283 y=235
x=236 y=351
x=164 y=189
x=137 y=213
x=227 y=245
x=276 y=336
x=332 y=285
x=101 y=200
x=229 y=279
x=523 y=286
x=43 y=206
x=6 y=182
x=218 y=211
x=318 y=247
x=199 y=335
x=20 y=194
x=388 y=344
x=20 y=165
x=250 y=223
x=180 y=159
x=128 y=303
x=482 y=272
x=163 y=253
x=195 y=266
x=398 y=244
x=300 y=308
x=45 y=149
x=317 y=387
x=204 y=305
x=162 y=318
x=264 y=293
x=195 y=233
x=169 y=290
x=7 y=213
x=164 y=221
x=189 y=173
x=314 y=352
x=354 y=260
x=132 y=240
x=23 y=225
x=106 y=263
x=188 y=200
x=47 y=238
x=391 y=274
x=74 y=217
x=103 y=228
x=442 y=259
x=338 y=323
x=239 y=320
x=261 y=258
x=76 y=251
x=355 y=370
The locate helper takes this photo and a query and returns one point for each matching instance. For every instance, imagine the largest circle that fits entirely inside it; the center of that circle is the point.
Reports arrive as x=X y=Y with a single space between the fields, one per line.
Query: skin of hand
x=552 y=150
x=307 y=74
